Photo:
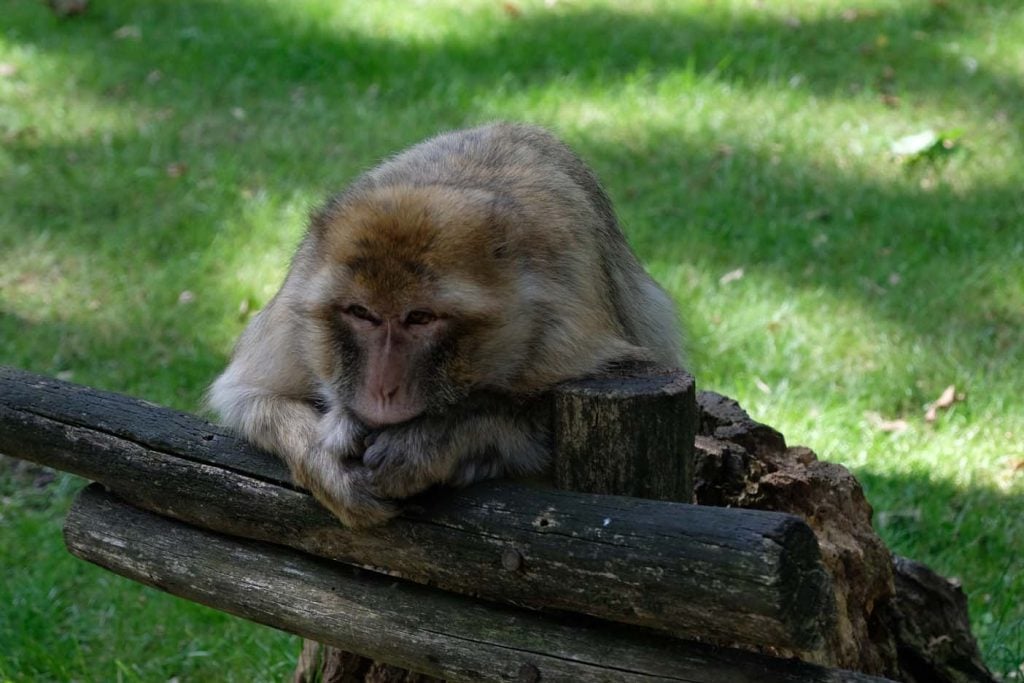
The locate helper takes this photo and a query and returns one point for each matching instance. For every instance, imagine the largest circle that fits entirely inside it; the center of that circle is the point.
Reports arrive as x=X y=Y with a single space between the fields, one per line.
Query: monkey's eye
x=420 y=318
x=361 y=312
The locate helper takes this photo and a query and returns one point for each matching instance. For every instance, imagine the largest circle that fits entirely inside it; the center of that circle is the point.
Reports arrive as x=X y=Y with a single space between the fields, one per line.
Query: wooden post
x=628 y=433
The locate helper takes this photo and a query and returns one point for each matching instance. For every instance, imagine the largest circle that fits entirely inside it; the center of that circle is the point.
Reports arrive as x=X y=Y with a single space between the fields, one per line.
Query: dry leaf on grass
x=731 y=276
x=948 y=398
x=68 y=8
x=927 y=146
x=128 y=32
x=883 y=425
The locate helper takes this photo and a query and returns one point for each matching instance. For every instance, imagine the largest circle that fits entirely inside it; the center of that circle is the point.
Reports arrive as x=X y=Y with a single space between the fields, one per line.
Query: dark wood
x=423 y=629
x=740 y=576
x=628 y=433
x=320 y=663
x=930 y=618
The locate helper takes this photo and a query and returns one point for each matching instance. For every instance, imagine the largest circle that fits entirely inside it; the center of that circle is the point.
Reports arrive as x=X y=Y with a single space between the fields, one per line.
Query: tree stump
x=627 y=433
x=896 y=618
x=319 y=663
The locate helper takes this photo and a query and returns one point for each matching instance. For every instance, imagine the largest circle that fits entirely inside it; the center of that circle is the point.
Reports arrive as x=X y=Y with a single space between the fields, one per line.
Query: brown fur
x=504 y=238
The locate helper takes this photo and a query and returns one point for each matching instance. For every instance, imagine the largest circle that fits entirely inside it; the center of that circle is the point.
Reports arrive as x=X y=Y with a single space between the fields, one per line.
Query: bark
x=896 y=618
x=691 y=571
x=423 y=629
x=892 y=616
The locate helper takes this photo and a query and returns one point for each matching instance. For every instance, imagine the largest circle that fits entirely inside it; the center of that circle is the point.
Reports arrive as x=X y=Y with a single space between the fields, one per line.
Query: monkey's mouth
x=376 y=415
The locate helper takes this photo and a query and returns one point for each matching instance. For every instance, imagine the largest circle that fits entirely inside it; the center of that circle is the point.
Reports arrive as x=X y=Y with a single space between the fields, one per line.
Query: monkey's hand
x=456 y=449
x=345 y=488
x=334 y=474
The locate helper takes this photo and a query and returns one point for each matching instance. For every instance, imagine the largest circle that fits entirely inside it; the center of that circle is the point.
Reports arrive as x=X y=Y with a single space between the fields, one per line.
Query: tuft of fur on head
x=398 y=244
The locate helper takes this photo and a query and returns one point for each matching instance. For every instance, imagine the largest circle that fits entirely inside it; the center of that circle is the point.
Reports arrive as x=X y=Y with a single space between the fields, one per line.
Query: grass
x=158 y=160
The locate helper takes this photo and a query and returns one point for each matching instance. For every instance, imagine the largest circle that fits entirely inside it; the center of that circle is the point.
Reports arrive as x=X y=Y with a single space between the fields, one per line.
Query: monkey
x=425 y=309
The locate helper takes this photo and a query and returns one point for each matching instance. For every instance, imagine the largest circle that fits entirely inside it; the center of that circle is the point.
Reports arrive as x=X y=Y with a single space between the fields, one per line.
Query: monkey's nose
x=389 y=394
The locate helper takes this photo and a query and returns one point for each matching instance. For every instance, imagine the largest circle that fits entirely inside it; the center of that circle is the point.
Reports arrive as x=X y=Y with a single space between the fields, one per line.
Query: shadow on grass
x=337 y=84
x=171 y=366
x=267 y=50
x=920 y=260
x=957 y=528
x=222 y=91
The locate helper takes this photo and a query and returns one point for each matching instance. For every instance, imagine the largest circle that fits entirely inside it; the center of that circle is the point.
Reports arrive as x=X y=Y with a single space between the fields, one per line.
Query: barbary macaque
x=425 y=307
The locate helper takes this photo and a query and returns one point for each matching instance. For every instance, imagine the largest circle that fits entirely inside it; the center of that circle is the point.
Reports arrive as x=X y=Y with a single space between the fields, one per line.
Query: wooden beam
x=423 y=629
x=739 y=576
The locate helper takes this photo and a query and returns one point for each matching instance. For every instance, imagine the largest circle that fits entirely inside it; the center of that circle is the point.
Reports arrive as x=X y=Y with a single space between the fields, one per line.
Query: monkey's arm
x=267 y=394
x=321 y=451
x=333 y=473
x=487 y=436
x=266 y=391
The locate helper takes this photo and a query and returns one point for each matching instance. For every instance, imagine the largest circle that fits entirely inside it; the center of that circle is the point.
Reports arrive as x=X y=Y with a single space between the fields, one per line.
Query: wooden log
x=740 y=576
x=423 y=629
x=628 y=433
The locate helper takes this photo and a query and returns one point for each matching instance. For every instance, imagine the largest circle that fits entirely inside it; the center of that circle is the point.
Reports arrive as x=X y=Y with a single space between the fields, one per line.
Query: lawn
x=158 y=159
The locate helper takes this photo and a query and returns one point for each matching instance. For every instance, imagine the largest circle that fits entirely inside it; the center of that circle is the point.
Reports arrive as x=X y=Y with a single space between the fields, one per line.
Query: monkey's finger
x=366 y=513
x=351 y=500
x=378 y=454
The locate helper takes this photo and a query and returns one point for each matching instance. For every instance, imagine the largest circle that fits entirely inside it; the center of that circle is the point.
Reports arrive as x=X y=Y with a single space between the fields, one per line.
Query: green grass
x=733 y=134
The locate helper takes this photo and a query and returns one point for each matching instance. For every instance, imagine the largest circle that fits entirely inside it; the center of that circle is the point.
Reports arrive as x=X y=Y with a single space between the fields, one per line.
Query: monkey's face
x=406 y=298
x=393 y=362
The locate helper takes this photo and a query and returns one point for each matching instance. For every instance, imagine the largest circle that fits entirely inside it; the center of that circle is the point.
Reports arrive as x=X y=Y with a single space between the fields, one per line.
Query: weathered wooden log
x=930 y=619
x=423 y=629
x=699 y=572
x=628 y=433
